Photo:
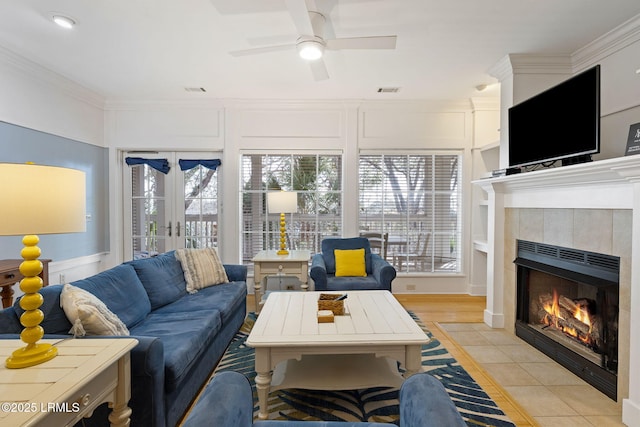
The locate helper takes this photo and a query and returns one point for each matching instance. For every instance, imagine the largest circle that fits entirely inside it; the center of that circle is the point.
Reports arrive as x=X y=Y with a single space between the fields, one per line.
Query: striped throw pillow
x=202 y=268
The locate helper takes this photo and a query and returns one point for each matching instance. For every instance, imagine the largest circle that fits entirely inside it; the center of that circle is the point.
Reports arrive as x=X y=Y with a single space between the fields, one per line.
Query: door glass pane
x=200 y=208
x=147 y=211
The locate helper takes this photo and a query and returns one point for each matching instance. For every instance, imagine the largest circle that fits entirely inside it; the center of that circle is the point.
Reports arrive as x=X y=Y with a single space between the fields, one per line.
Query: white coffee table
x=359 y=350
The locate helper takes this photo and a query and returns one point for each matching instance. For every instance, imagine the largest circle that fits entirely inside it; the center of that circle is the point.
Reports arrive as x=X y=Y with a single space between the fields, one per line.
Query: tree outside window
x=317 y=178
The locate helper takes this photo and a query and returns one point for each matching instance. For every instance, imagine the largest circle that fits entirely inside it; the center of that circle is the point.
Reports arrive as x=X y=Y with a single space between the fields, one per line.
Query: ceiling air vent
x=388 y=89
x=195 y=89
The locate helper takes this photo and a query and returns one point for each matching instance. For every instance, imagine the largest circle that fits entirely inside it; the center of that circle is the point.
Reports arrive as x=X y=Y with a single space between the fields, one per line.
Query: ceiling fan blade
x=300 y=14
x=374 y=42
x=259 y=50
x=319 y=70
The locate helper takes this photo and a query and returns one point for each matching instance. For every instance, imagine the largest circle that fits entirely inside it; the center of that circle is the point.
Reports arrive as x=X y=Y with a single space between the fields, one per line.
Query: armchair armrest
x=382 y=271
x=318 y=272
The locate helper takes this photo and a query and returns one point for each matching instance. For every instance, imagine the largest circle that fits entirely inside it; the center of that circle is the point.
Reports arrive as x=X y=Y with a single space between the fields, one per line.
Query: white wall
x=237 y=127
x=36 y=98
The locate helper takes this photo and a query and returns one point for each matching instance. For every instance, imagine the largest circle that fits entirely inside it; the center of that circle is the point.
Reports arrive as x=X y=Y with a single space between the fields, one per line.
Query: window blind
x=416 y=199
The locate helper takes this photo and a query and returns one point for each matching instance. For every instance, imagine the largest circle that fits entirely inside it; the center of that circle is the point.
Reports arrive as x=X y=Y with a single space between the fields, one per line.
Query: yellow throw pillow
x=350 y=262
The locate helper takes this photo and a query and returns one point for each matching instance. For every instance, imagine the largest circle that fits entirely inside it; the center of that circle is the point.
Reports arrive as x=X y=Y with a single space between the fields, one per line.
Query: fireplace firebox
x=567 y=307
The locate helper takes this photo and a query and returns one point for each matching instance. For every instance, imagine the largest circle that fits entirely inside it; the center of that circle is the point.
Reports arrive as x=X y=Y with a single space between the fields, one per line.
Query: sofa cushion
x=331 y=244
x=225 y=298
x=162 y=278
x=350 y=263
x=368 y=283
x=185 y=337
x=55 y=321
x=89 y=315
x=202 y=268
x=121 y=291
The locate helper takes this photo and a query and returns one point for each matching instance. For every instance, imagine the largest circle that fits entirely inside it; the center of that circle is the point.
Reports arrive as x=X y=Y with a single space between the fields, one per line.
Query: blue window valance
x=161 y=165
x=207 y=163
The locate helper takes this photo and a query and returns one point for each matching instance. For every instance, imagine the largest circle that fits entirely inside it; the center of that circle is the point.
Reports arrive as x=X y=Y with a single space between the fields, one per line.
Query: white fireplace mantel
x=605 y=184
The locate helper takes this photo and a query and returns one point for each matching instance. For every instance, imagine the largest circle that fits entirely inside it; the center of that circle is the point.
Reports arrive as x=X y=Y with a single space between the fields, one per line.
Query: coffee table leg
x=263 y=381
x=413 y=360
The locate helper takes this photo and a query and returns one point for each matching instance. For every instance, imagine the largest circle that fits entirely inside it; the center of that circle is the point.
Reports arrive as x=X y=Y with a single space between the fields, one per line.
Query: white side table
x=86 y=373
x=269 y=263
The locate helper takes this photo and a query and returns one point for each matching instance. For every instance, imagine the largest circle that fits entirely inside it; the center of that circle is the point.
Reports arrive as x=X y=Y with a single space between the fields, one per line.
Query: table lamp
x=282 y=202
x=44 y=200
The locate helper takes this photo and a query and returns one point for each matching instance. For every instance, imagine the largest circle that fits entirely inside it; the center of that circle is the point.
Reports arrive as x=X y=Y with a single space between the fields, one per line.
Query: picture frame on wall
x=633 y=140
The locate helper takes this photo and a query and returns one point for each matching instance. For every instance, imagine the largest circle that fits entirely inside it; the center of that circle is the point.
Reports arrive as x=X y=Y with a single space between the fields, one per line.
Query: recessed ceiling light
x=63 y=20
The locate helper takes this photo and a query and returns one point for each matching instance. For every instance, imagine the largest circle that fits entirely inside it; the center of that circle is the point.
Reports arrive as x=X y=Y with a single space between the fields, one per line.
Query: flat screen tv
x=561 y=123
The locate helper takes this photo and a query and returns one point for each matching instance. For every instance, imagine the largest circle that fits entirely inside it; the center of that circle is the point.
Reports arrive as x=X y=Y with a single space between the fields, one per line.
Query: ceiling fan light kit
x=311 y=44
x=310 y=50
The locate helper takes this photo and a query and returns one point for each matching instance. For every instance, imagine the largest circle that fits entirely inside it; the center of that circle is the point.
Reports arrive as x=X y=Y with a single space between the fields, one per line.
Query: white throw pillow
x=202 y=268
x=89 y=315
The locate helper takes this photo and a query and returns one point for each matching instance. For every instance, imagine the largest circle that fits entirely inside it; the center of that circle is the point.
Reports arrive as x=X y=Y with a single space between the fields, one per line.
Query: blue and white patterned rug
x=374 y=404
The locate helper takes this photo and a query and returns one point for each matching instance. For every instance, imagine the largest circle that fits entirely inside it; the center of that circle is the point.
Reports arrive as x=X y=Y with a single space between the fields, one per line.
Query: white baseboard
x=630 y=413
x=494 y=320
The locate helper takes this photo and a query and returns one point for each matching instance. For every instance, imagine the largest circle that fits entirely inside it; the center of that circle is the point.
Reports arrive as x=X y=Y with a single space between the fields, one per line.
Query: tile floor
x=549 y=393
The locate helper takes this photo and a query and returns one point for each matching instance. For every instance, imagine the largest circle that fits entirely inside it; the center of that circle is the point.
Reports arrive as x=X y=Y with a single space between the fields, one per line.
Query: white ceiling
x=153 y=49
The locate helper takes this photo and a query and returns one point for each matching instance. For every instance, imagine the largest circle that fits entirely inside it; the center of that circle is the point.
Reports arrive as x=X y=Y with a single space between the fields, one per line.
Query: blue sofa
x=227 y=401
x=380 y=273
x=181 y=336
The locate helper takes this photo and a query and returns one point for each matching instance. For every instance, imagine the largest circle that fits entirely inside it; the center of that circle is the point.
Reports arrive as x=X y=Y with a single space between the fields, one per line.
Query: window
x=416 y=199
x=318 y=180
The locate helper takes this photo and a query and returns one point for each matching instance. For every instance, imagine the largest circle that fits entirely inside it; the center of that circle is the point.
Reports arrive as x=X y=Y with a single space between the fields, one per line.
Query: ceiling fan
x=311 y=44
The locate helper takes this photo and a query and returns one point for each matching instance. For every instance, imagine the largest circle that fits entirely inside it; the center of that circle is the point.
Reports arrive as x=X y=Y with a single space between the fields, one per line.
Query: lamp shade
x=41 y=200
x=282 y=202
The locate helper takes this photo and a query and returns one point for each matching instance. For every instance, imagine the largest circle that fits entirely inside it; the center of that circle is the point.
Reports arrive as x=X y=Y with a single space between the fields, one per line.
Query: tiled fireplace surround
x=589 y=207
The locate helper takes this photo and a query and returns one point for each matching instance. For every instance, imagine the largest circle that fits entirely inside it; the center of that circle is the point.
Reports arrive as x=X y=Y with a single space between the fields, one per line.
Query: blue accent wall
x=21 y=145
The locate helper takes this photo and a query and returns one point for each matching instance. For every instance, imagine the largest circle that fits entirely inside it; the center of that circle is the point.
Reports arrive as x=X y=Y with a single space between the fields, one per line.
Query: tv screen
x=562 y=122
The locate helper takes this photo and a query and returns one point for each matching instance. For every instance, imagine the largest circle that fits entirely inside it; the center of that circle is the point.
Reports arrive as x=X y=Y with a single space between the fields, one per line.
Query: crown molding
x=51 y=78
x=606 y=45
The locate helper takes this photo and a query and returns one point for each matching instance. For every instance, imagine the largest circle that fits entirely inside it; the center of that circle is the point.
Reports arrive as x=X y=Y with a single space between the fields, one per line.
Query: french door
x=170 y=201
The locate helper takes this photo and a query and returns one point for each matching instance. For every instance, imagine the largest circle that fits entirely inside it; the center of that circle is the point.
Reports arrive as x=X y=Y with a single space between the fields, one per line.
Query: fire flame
x=580 y=314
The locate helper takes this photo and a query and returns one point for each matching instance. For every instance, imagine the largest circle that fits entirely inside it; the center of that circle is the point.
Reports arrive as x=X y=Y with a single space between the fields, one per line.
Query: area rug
x=374 y=404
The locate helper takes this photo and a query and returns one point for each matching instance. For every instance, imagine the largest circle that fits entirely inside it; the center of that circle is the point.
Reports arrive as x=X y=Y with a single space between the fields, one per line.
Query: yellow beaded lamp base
x=33 y=353
x=282 y=250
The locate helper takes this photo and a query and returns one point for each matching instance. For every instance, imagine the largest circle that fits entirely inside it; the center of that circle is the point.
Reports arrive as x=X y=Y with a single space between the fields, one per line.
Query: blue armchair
x=380 y=273
x=227 y=401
